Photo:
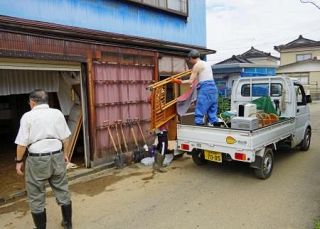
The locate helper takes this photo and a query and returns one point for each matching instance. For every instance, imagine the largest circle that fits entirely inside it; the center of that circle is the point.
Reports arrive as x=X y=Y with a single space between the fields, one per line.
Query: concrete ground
x=188 y=196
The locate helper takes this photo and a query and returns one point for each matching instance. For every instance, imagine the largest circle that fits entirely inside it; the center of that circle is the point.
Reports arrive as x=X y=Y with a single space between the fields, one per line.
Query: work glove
x=177 y=81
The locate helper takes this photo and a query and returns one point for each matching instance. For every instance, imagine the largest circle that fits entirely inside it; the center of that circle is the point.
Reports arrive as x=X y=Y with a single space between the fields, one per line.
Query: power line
x=312 y=2
x=269 y=42
x=275 y=33
x=264 y=43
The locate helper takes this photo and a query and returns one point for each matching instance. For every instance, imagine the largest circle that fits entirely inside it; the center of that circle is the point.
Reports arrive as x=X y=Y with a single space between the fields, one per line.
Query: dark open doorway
x=14 y=103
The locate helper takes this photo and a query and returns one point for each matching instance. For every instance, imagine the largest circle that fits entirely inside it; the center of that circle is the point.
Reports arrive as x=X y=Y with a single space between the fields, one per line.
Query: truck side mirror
x=308 y=98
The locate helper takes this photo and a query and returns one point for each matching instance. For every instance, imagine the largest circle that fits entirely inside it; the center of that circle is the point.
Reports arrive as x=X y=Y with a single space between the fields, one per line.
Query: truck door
x=302 y=112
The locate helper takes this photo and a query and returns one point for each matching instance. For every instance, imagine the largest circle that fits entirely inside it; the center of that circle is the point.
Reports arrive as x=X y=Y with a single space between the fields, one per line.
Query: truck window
x=300 y=94
x=261 y=89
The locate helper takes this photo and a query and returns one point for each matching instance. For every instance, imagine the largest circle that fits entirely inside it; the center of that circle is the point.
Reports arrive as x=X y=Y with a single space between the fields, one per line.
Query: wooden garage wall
x=110 y=69
x=120 y=82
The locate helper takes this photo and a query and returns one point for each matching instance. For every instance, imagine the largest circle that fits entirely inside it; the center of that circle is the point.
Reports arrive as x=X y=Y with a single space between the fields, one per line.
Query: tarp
x=265 y=104
x=186 y=99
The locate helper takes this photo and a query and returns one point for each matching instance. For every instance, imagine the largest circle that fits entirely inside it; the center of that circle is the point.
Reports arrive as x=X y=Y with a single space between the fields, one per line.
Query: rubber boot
x=40 y=219
x=66 y=216
x=158 y=161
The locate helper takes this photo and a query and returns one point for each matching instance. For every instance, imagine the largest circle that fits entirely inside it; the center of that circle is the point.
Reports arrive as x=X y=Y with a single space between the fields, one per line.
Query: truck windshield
x=261 y=89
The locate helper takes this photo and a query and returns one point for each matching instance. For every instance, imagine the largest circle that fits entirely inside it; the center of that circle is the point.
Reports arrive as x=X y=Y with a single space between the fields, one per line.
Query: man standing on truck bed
x=207 y=94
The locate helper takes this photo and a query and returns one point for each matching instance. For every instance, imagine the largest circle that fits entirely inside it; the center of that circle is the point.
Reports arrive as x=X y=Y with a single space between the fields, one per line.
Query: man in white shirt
x=44 y=132
x=207 y=95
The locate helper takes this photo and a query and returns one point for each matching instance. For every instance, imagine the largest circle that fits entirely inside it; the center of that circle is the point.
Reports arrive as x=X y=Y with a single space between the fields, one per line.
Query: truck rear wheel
x=305 y=144
x=198 y=157
x=266 y=166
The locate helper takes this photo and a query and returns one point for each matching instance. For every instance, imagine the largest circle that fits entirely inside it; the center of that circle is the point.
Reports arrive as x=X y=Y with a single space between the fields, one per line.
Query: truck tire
x=265 y=170
x=305 y=144
x=198 y=157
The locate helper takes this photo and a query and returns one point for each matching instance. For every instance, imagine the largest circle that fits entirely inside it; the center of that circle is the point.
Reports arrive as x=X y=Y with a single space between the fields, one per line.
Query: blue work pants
x=207 y=102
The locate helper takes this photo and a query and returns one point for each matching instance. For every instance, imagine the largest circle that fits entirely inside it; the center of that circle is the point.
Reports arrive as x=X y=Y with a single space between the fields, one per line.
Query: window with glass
x=174 y=6
x=262 y=89
x=300 y=94
x=302 y=77
x=302 y=57
x=169 y=66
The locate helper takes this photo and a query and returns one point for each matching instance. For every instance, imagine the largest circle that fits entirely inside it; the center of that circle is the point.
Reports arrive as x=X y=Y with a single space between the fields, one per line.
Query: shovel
x=117 y=159
x=137 y=154
x=145 y=146
x=127 y=154
x=122 y=155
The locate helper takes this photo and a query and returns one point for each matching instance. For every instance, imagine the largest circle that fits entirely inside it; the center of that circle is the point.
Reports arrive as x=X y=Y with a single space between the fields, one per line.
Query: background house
x=300 y=59
x=250 y=63
x=95 y=58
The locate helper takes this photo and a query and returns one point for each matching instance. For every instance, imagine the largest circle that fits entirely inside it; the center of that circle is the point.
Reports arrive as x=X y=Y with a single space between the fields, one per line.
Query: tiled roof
x=235 y=59
x=255 y=53
x=244 y=57
x=298 y=43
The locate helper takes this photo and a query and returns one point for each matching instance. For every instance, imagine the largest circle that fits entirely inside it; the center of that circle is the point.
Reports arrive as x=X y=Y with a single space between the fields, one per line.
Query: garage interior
x=17 y=80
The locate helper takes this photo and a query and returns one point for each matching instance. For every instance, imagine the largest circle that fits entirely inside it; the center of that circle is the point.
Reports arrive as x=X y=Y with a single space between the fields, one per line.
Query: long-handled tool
x=117 y=159
x=128 y=155
x=137 y=153
x=123 y=157
x=124 y=138
x=118 y=136
x=145 y=146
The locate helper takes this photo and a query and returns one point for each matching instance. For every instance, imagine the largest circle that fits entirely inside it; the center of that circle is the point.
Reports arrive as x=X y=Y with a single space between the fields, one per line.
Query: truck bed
x=247 y=141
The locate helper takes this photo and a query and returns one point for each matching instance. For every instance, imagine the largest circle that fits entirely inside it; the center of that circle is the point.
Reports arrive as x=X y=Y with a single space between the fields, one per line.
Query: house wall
x=314 y=78
x=264 y=61
x=300 y=68
x=124 y=71
x=289 y=56
x=313 y=88
x=107 y=69
x=117 y=17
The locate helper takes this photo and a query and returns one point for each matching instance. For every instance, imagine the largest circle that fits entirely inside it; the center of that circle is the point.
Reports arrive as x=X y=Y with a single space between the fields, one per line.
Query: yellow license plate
x=213 y=156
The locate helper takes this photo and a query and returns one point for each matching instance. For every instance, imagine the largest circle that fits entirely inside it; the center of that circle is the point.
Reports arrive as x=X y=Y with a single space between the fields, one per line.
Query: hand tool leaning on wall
x=138 y=155
x=122 y=155
x=128 y=155
x=145 y=146
x=117 y=159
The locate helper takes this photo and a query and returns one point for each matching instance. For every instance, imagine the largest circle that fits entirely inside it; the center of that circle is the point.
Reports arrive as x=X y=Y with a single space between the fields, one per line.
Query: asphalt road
x=189 y=196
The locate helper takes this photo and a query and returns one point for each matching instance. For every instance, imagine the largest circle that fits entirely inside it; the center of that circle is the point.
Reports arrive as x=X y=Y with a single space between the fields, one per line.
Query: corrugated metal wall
x=14 y=82
x=120 y=94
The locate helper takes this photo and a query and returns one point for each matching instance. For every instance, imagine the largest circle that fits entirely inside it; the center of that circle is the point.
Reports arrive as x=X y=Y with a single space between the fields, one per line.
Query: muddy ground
x=9 y=180
x=11 y=183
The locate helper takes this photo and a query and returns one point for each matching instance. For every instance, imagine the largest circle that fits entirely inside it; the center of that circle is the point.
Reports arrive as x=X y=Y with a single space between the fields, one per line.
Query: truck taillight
x=240 y=156
x=185 y=147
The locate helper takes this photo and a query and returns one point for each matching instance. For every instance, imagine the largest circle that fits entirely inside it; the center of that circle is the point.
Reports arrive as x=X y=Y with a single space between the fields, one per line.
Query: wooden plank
x=74 y=124
x=74 y=137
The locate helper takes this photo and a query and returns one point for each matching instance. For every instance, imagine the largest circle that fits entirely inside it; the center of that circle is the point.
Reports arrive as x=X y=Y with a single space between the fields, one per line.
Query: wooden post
x=92 y=110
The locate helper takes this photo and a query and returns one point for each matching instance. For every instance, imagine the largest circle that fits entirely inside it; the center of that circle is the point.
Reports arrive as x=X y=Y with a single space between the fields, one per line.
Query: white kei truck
x=254 y=146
